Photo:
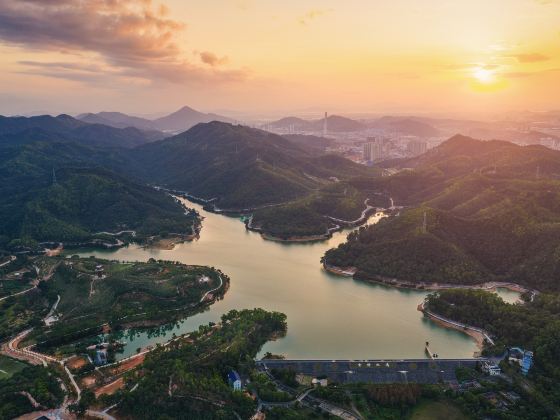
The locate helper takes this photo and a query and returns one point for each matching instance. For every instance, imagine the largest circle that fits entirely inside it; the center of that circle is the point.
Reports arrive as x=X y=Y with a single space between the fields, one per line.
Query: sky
x=265 y=57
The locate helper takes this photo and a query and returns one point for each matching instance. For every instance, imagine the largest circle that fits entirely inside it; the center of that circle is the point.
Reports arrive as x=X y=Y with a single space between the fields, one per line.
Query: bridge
x=379 y=371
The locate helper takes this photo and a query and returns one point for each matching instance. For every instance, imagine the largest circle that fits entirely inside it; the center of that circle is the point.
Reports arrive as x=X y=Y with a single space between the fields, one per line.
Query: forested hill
x=485 y=220
x=16 y=130
x=424 y=177
x=239 y=167
x=462 y=154
x=71 y=204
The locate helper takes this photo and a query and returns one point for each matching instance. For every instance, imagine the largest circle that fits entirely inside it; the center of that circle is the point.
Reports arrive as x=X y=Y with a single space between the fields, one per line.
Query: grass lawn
x=9 y=366
x=437 y=410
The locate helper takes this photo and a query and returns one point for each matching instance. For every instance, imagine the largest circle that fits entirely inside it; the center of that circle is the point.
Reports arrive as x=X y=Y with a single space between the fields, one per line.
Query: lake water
x=329 y=317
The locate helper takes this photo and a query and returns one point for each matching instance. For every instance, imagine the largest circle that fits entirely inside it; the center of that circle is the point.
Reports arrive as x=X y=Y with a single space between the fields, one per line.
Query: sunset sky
x=277 y=57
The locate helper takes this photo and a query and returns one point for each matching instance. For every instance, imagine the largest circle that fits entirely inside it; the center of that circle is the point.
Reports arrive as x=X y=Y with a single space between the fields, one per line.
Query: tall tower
x=325 y=126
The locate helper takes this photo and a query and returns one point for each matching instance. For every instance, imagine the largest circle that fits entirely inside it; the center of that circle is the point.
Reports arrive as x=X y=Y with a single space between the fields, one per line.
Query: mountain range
x=477 y=211
x=65 y=128
x=181 y=120
x=335 y=123
x=237 y=167
x=234 y=166
x=405 y=126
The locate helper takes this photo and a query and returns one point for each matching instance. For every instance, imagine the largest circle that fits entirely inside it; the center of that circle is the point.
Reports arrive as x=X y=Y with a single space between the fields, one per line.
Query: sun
x=483 y=75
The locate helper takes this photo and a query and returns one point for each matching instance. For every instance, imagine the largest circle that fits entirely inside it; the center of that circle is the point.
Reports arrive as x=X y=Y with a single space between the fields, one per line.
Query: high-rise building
x=417 y=147
x=373 y=151
x=325 y=126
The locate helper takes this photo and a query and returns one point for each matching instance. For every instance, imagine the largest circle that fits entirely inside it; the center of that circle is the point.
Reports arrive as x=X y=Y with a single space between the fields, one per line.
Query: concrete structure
x=319 y=382
x=527 y=362
x=417 y=147
x=422 y=371
x=373 y=151
x=523 y=357
x=234 y=380
x=491 y=368
x=100 y=358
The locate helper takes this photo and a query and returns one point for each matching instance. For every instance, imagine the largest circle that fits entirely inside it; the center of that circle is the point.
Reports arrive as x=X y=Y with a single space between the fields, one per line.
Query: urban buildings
x=417 y=147
x=374 y=149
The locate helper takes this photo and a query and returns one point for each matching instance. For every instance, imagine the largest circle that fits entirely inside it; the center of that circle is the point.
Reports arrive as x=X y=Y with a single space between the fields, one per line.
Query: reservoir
x=329 y=317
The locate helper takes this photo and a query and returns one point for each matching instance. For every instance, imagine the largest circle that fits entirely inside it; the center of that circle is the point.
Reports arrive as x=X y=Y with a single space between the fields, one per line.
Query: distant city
x=370 y=141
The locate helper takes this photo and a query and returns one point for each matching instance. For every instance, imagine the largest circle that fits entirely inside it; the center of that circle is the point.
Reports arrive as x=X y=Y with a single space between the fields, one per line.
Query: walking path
x=359 y=220
x=50 y=318
x=18 y=293
x=203 y=298
x=458 y=325
x=308 y=400
x=132 y=232
x=12 y=258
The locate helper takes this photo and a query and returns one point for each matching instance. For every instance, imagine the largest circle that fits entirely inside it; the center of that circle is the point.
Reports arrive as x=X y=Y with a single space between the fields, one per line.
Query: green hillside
x=64 y=127
x=308 y=216
x=237 y=167
x=483 y=222
x=81 y=201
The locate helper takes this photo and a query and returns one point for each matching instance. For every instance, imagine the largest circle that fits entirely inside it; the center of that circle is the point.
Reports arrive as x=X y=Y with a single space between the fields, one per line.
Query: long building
x=422 y=371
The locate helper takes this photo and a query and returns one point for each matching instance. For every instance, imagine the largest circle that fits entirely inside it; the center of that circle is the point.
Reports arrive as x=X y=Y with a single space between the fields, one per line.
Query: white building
x=491 y=368
x=234 y=380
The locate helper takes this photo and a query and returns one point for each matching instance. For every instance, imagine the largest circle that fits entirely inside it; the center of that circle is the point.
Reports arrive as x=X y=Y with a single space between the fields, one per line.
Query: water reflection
x=328 y=316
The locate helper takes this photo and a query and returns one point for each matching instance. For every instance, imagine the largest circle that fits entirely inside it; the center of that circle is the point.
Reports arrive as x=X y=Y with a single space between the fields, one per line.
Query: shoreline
x=169 y=243
x=311 y=238
x=400 y=284
x=318 y=237
x=480 y=336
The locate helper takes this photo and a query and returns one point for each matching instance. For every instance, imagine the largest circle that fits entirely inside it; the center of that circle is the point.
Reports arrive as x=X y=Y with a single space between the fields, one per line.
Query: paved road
x=359 y=220
x=422 y=307
x=12 y=258
x=306 y=400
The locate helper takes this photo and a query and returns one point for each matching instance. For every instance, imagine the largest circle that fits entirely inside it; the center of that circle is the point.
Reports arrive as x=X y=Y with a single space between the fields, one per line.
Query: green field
x=9 y=366
x=437 y=410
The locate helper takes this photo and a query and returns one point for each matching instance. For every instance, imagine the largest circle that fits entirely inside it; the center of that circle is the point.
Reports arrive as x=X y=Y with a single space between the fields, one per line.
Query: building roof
x=233 y=376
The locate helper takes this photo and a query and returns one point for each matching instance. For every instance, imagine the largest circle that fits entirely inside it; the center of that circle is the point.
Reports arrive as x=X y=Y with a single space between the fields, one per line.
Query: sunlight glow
x=483 y=75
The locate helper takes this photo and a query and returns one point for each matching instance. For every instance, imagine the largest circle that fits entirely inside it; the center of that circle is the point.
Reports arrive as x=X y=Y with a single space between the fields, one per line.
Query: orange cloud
x=212 y=59
x=529 y=57
x=133 y=37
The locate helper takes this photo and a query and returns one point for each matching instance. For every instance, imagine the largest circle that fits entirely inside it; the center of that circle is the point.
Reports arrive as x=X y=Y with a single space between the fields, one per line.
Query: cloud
x=311 y=15
x=212 y=59
x=134 y=37
x=528 y=57
x=524 y=74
